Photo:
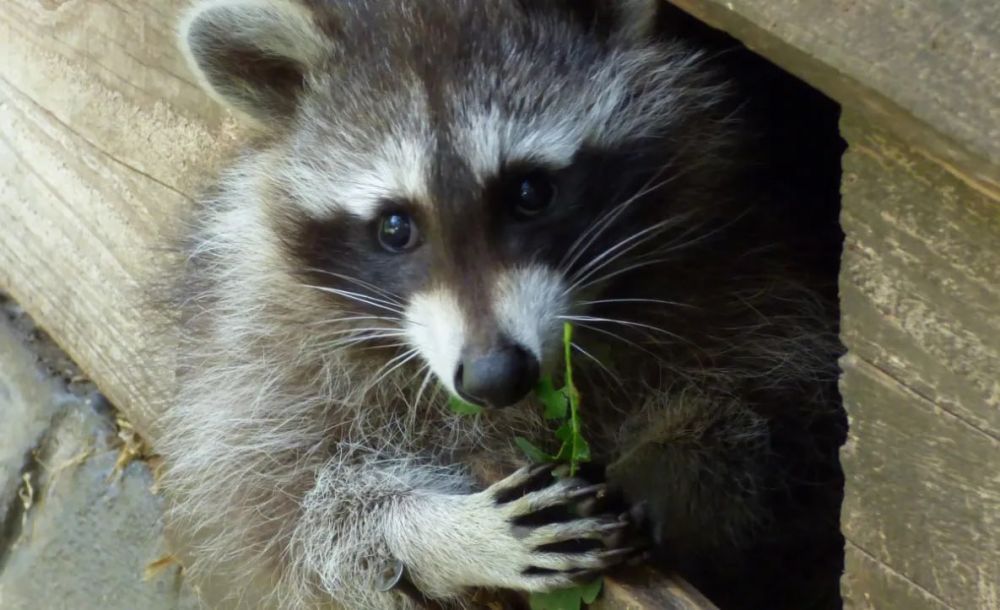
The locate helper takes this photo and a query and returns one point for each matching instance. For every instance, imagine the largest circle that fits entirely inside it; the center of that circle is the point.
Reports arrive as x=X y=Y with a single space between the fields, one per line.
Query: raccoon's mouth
x=498 y=378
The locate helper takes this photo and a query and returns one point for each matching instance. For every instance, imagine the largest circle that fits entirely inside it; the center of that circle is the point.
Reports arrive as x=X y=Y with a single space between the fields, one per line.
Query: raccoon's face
x=459 y=176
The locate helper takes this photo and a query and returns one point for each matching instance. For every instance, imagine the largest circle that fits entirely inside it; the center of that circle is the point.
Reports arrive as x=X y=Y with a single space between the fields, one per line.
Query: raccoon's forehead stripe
x=567 y=114
x=331 y=181
x=487 y=140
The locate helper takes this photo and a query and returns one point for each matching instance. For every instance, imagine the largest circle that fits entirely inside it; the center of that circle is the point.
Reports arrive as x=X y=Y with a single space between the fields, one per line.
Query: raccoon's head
x=463 y=175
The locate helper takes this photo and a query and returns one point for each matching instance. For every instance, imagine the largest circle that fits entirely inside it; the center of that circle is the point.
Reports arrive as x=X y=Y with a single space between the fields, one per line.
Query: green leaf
x=565 y=433
x=590 y=592
x=567 y=599
x=555 y=401
x=581 y=450
x=575 y=449
x=461 y=407
x=534 y=453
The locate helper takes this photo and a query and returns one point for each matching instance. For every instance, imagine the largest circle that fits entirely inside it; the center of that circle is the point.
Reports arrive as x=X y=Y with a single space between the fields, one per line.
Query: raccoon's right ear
x=254 y=55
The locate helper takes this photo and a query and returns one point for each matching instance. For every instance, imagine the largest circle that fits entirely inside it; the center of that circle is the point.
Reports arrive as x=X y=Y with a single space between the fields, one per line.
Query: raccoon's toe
x=592 y=561
x=608 y=531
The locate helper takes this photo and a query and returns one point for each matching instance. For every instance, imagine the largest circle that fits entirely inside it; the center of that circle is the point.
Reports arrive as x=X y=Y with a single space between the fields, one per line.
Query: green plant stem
x=574 y=402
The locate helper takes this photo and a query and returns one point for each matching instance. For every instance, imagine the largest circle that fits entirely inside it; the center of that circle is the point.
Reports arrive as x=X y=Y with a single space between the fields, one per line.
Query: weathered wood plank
x=920 y=286
x=101 y=136
x=924 y=492
x=879 y=588
x=929 y=70
x=922 y=275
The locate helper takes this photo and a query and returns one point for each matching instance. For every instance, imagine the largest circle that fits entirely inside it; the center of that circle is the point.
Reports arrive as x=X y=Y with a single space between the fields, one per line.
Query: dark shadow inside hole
x=796 y=170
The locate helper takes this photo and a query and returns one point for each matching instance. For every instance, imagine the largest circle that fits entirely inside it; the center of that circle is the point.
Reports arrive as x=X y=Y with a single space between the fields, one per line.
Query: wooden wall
x=920 y=288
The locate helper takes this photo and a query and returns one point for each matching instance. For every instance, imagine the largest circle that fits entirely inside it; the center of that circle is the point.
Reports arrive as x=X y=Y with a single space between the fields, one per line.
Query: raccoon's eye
x=533 y=194
x=397 y=232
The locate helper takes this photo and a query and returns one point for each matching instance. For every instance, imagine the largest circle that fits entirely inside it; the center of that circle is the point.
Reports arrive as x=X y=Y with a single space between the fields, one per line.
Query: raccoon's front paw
x=554 y=533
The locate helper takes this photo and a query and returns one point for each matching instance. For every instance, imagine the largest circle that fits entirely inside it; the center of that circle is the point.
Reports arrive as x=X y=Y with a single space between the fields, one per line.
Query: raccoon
x=434 y=190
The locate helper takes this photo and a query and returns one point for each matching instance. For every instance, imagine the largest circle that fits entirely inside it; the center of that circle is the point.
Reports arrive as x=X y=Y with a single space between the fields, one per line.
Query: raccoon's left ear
x=255 y=55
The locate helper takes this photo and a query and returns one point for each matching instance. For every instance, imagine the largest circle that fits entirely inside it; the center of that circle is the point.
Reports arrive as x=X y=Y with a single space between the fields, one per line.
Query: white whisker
x=423 y=385
x=601 y=261
x=390 y=296
x=619 y=272
x=386 y=329
x=360 y=298
x=650 y=301
x=402 y=359
x=355 y=319
x=600 y=364
x=608 y=219
x=352 y=341
x=630 y=323
x=625 y=340
x=386 y=346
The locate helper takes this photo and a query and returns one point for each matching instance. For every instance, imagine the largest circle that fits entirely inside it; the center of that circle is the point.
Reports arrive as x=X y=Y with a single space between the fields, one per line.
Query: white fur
x=528 y=302
x=435 y=325
x=396 y=170
x=296 y=470
x=603 y=113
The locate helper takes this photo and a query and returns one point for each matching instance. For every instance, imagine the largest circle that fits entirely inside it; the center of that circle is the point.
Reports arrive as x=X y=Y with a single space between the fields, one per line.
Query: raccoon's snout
x=496 y=378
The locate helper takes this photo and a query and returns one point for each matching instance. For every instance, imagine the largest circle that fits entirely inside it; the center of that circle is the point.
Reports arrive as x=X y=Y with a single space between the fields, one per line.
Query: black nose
x=497 y=378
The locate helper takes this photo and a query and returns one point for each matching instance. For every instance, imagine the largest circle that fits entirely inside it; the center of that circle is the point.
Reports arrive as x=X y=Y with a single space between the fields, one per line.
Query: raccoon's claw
x=565 y=534
x=525 y=478
x=563 y=492
x=593 y=562
x=582 y=529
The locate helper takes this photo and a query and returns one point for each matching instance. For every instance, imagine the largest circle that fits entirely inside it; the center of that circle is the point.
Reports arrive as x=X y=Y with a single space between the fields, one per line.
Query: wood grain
x=920 y=289
x=927 y=70
x=103 y=138
x=922 y=275
x=876 y=587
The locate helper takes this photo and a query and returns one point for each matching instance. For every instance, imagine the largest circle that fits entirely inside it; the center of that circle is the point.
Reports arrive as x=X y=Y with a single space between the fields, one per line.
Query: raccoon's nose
x=497 y=378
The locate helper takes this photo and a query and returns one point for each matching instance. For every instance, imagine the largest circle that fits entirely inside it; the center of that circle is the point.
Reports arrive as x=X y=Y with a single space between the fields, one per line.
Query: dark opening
x=797 y=164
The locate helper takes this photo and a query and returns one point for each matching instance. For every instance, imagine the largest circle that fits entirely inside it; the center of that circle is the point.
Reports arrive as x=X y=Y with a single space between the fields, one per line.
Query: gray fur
x=301 y=457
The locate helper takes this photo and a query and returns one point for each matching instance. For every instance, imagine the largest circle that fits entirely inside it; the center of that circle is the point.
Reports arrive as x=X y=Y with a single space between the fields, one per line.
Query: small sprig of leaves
x=561 y=405
x=567 y=599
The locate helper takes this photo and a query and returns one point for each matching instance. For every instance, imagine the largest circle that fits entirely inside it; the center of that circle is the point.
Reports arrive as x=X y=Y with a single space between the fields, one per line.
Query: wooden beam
x=926 y=70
